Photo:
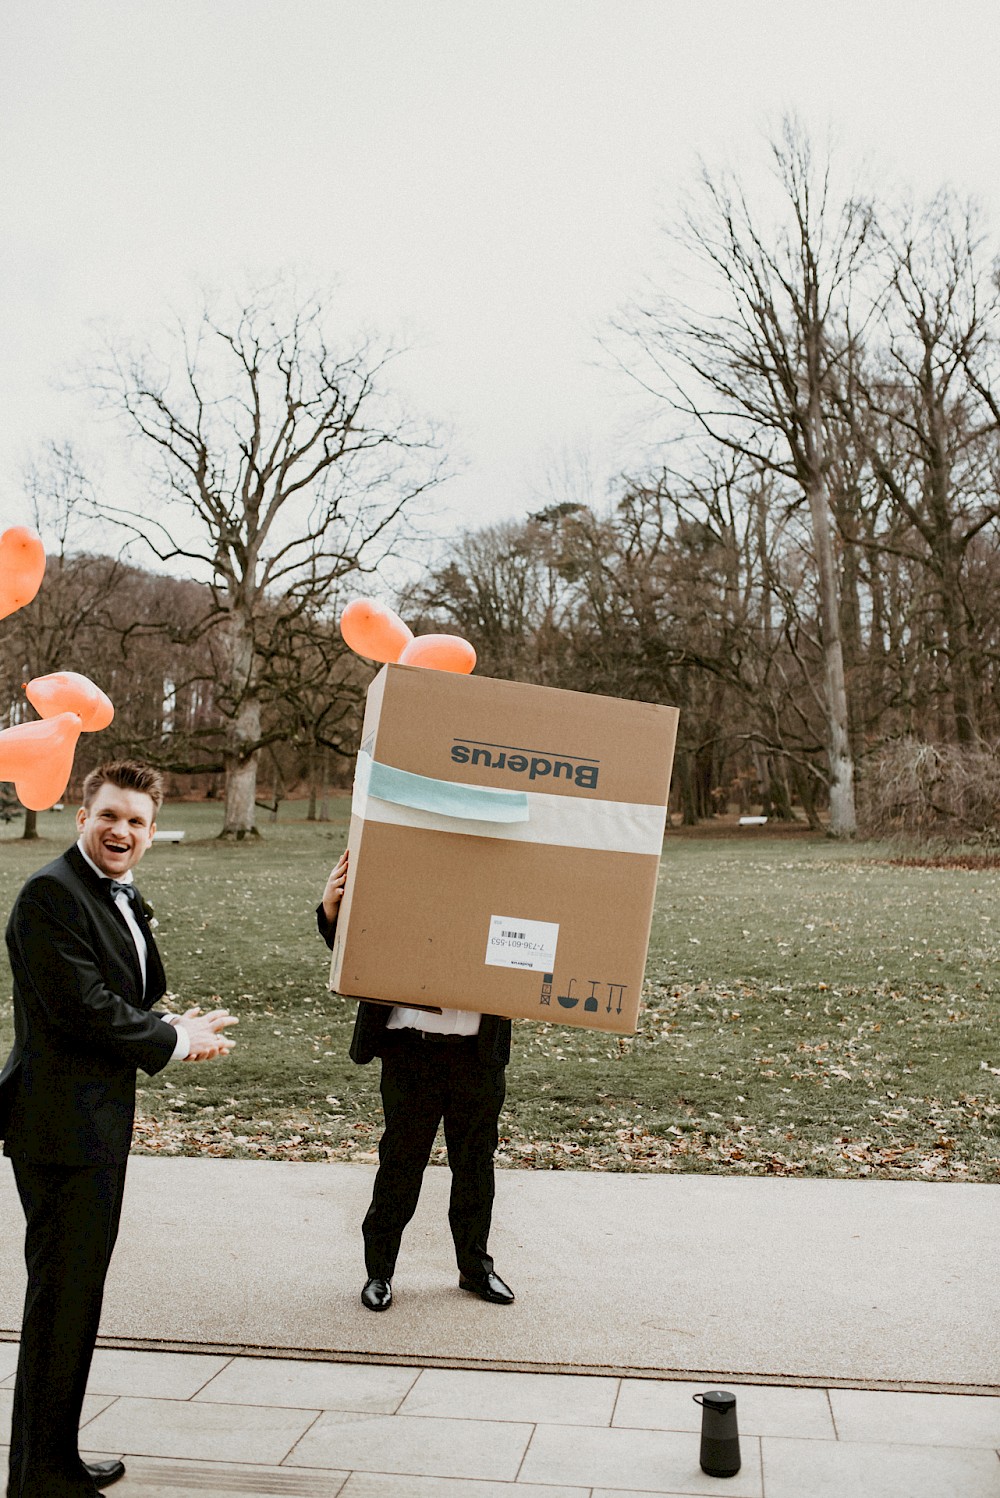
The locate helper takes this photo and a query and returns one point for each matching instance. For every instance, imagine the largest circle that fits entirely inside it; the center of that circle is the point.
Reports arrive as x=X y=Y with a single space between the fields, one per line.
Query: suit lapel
x=116 y=926
x=156 y=979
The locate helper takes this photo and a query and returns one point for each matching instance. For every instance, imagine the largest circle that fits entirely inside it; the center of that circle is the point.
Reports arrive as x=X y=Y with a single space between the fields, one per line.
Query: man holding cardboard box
x=436 y=1066
x=490 y=822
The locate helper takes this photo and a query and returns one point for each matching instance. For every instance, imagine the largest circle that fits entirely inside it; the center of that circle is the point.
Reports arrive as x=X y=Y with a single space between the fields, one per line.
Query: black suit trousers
x=72 y=1218
x=423 y=1083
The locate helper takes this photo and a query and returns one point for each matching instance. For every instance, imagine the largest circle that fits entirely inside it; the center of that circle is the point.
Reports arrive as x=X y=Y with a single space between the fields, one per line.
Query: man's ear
x=81 y=817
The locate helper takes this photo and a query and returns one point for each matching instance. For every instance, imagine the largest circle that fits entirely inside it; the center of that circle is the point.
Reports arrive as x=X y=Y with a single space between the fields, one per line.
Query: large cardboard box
x=505 y=842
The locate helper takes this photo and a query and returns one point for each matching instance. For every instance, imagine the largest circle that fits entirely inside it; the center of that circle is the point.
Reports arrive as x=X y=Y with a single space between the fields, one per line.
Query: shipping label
x=516 y=942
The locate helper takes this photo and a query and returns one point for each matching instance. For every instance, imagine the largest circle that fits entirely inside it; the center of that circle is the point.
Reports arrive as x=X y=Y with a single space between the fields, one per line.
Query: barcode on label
x=514 y=935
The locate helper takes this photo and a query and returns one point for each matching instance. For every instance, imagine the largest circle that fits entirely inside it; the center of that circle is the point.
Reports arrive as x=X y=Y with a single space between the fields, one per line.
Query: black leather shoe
x=103 y=1474
x=487 y=1287
x=377 y=1294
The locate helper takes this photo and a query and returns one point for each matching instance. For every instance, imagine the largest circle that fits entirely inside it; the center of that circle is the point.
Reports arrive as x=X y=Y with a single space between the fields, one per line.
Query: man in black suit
x=446 y=1066
x=86 y=975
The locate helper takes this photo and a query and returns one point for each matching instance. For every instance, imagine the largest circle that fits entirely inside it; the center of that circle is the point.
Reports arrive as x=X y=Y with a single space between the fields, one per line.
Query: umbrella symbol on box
x=566 y=999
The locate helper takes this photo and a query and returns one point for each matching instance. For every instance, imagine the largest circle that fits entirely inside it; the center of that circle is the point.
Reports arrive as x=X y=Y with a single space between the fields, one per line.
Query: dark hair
x=127 y=775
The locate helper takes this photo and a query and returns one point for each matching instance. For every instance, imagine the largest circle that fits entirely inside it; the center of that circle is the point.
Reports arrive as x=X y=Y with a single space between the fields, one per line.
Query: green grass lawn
x=811 y=1009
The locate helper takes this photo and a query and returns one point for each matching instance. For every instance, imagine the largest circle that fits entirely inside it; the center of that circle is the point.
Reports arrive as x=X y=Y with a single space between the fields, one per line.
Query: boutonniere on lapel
x=147 y=911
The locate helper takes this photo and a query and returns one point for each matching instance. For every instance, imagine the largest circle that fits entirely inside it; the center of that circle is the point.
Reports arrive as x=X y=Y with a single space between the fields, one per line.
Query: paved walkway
x=880 y=1284
x=213 y=1426
x=858 y=1322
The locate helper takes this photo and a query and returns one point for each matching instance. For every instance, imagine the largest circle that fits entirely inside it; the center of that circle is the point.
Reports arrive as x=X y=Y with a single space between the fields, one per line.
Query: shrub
x=918 y=789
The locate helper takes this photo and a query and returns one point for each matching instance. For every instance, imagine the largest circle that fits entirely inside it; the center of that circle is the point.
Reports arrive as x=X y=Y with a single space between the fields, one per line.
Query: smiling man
x=86 y=975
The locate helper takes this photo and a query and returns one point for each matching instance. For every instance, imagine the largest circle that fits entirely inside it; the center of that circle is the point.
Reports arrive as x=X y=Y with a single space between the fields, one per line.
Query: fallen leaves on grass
x=618 y=1148
x=974 y=861
x=637 y=1149
x=155 y=1136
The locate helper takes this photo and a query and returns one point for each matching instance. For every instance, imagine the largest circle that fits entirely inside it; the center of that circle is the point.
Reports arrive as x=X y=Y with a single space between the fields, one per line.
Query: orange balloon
x=38 y=758
x=22 y=565
x=440 y=653
x=69 y=692
x=373 y=630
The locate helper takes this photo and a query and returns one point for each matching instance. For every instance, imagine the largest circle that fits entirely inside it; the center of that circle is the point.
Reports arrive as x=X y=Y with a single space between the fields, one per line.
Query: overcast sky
x=484 y=180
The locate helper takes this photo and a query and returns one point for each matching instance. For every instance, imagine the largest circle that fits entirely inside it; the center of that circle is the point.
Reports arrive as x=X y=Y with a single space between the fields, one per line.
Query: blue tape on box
x=473 y=803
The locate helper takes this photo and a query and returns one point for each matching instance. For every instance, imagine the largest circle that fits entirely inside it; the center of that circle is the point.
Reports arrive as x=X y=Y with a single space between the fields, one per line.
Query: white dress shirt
x=448 y=1022
x=124 y=904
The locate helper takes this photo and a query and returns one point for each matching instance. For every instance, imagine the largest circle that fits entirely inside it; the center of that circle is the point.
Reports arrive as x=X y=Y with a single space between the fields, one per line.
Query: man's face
x=116 y=828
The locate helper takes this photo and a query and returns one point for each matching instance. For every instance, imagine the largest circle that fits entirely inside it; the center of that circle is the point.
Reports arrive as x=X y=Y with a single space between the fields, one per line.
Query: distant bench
x=168 y=837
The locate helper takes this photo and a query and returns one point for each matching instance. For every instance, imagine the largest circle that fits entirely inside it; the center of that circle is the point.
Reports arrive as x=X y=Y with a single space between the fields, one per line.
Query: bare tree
x=755 y=366
x=279 y=465
x=927 y=408
x=504 y=587
x=316 y=687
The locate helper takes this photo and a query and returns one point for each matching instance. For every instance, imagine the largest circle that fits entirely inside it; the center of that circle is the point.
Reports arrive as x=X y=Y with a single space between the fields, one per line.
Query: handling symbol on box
x=591 y=1004
x=567 y=999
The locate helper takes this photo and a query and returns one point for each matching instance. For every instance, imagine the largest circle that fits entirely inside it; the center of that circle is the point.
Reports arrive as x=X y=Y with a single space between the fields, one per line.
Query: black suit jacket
x=81 y=1021
x=369 y=1038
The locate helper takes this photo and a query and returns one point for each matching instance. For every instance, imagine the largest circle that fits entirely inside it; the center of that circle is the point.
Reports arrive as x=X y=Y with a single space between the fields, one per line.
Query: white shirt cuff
x=183 y=1045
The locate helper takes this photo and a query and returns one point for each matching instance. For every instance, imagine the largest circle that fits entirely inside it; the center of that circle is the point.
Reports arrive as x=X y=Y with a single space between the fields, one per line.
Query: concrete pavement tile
x=151 y=1375
x=151 y=1477
x=651 y=1461
x=369 y=1388
x=647 y=1492
x=93 y=1404
x=413 y=1446
x=761 y=1410
x=549 y=1398
x=385 y=1485
x=8 y=1360
x=917 y=1419
x=198 y=1432
x=832 y=1469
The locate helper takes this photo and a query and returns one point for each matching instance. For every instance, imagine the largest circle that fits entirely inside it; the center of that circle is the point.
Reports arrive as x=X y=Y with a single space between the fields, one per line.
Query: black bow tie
x=119 y=887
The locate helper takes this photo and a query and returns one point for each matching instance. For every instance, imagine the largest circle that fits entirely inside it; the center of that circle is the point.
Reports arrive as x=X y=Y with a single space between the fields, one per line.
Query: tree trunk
x=850 y=614
x=241 y=797
x=781 y=801
x=805 y=787
x=241 y=739
x=278 y=784
x=30 y=823
x=689 y=813
x=703 y=782
x=324 y=805
x=843 y=815
x=311 y=773
x=763 y=779
x=957 y=652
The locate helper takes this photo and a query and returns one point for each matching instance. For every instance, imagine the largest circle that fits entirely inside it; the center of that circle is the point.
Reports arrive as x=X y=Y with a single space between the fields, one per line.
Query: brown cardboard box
x=505 y=843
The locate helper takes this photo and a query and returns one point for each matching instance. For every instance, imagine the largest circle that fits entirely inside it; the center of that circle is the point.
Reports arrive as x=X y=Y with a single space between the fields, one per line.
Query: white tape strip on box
x=563 y=821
